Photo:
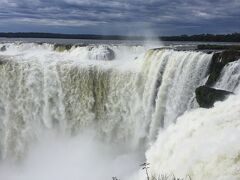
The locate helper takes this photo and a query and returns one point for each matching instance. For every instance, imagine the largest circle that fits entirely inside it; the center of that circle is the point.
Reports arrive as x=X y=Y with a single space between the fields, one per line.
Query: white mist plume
x=151 y=39
x=81 y=157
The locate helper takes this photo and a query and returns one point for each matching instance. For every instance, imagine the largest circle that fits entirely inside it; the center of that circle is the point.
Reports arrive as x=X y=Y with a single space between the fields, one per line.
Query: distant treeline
x=234 y=37
x=69 y=36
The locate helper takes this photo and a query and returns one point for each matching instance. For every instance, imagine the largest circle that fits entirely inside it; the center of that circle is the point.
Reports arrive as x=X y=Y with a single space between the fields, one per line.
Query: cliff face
x=219 y=60
x=206 y=95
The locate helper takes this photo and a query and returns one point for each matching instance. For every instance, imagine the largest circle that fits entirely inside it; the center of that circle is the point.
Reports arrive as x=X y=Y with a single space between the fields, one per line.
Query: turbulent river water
x=99 y=111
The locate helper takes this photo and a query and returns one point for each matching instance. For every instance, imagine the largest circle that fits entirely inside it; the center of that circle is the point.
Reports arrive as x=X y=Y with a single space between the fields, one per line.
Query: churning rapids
x=95 y=112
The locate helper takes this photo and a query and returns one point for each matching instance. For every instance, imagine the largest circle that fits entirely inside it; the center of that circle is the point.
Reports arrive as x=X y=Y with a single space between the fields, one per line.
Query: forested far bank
x=233 y=37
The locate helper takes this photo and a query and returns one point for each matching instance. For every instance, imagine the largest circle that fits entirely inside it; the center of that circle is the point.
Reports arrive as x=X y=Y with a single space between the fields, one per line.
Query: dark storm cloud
x=121 y=16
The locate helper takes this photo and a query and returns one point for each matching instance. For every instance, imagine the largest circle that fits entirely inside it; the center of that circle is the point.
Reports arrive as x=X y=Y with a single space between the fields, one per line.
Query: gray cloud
x=121 y=16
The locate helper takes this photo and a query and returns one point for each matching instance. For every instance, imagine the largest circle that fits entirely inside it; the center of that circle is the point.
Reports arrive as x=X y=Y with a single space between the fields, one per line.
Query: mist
x=56 y=157
x=77 y=113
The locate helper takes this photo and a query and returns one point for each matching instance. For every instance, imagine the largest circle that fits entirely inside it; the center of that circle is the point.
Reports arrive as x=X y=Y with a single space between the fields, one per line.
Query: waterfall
x=230 y=77
x=176 y=79
x=137 y=99
x=209 y=137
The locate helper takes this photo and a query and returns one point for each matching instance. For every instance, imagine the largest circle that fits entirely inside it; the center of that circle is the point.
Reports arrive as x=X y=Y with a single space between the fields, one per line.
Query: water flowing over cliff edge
x=125 y=99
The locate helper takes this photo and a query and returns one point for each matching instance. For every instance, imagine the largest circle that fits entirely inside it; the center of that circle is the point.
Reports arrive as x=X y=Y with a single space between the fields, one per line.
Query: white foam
x=204 y=144
x=129 y=102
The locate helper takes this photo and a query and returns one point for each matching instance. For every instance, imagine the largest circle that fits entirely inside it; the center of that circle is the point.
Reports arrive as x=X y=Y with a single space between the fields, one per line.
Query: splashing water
x=204 y=144
x=50 y=97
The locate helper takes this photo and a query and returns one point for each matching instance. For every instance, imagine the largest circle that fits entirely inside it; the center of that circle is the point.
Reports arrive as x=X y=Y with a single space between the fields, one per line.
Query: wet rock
x=219 y=60
x=3 y=48
x=206 y=96
x=62 y=47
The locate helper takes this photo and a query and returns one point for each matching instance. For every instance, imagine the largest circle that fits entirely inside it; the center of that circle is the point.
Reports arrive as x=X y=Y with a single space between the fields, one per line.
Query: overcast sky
x=126 y=17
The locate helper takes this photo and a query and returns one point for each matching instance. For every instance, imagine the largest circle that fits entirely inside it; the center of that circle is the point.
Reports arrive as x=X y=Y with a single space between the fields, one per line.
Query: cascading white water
x=230 y=77
x=49 y=91
x=128 y=102
x=179 y=75
x=204 y=144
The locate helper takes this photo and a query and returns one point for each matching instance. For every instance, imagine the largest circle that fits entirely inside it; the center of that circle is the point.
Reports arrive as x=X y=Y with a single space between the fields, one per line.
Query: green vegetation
x=145 y=166
x=234 y=37
x=69 y=36
x=217 y=47
x=169 y=177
